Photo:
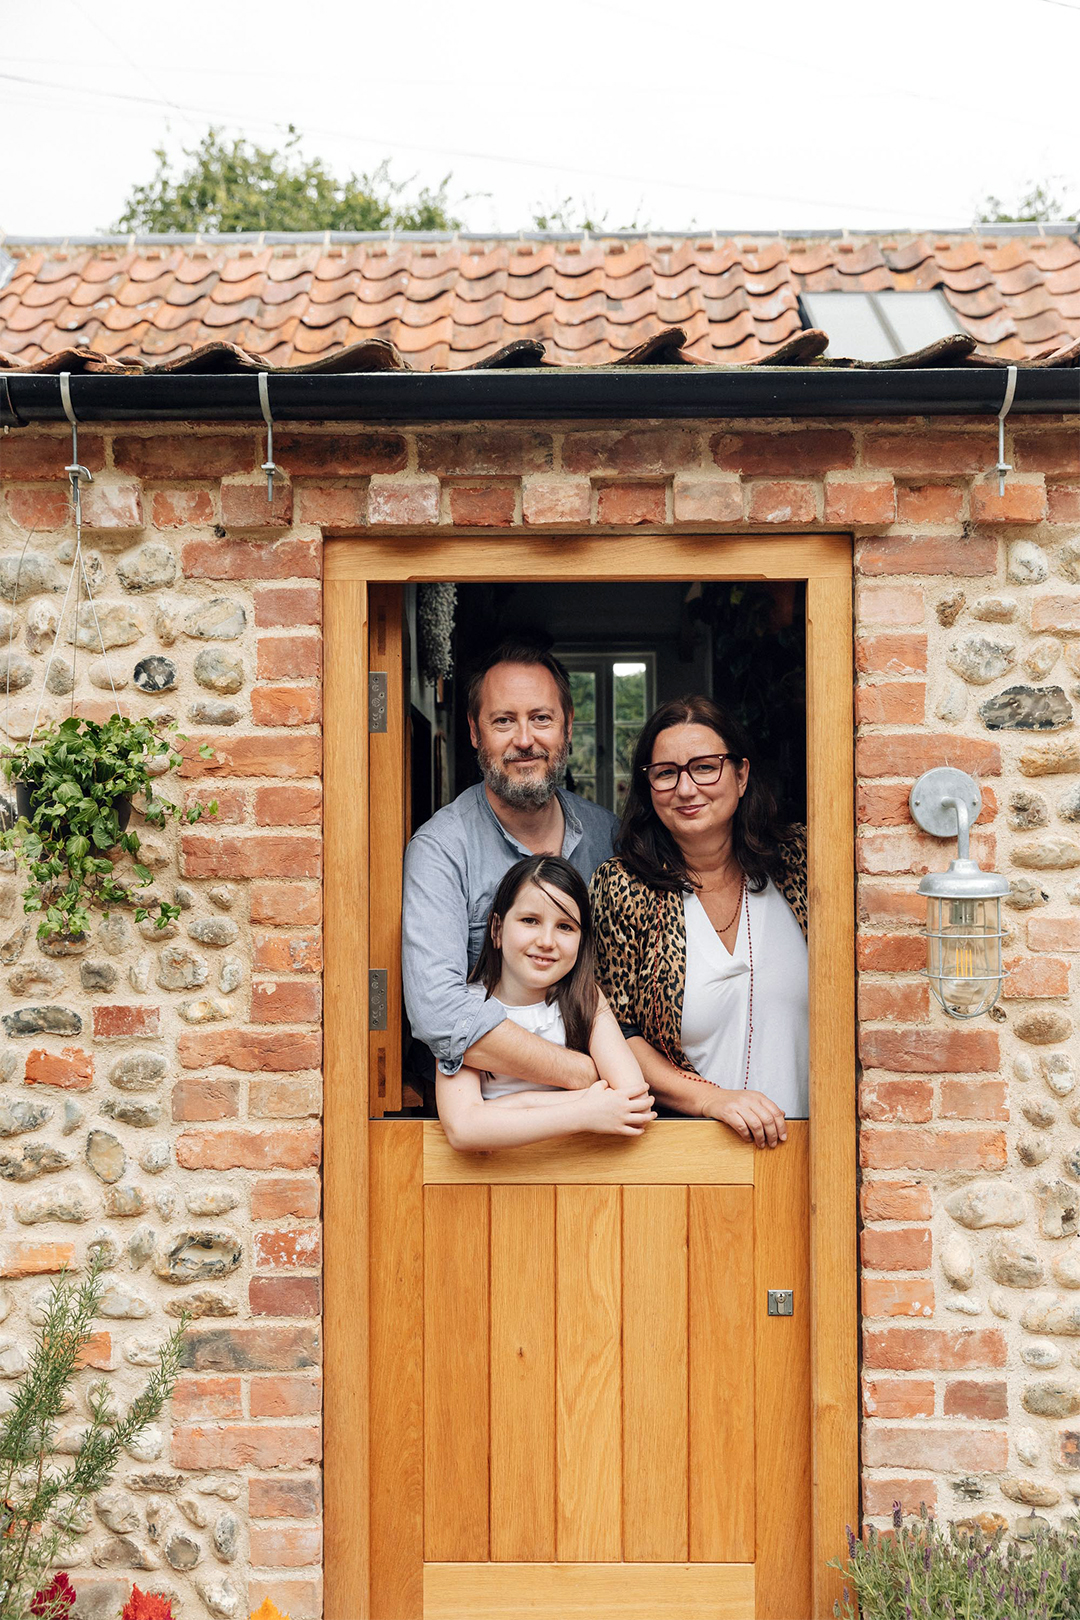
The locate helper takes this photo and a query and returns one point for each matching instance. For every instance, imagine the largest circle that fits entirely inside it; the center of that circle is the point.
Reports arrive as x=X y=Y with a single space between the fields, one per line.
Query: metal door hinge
x=781 y=1302
x=376 y=702
x=376 y=989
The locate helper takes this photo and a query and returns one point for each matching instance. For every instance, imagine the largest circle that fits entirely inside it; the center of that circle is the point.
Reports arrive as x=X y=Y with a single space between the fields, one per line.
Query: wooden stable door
x=554 y=1385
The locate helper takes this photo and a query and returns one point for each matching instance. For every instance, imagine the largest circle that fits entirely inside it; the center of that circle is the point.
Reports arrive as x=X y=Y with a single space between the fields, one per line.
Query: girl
x=538 y=960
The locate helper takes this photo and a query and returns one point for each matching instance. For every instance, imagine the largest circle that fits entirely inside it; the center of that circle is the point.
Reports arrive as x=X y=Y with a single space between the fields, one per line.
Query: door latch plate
x=376 y=982
x=376 y=700
x=781 y=1302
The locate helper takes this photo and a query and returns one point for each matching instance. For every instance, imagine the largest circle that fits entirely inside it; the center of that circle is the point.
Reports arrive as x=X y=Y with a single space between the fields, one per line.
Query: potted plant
x=76 y=783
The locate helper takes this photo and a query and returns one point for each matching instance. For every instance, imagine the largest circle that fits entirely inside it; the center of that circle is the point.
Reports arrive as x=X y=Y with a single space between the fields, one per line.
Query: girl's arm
x=750 y=1114
x=472 y=1125
x=615 y=1062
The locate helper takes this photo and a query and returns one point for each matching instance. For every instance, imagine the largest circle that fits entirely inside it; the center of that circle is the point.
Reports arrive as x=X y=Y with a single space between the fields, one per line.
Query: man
x=521 y=724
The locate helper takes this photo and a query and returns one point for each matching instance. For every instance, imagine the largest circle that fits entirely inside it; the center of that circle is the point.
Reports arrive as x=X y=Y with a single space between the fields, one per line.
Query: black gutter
x=608 y=393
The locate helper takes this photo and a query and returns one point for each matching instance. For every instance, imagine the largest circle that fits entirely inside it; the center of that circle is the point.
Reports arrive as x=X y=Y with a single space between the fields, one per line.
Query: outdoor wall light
x=963 y=905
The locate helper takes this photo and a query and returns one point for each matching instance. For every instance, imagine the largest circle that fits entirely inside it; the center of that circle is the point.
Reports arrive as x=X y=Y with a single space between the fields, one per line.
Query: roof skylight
x=880 y=326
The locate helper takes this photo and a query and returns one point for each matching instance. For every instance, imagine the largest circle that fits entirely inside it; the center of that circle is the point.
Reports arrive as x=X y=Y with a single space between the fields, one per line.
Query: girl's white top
x=541 y=1019
x=716 y=1002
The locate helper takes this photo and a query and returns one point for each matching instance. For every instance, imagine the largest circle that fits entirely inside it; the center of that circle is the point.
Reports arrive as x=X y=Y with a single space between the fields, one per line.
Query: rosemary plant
x=41 y=1496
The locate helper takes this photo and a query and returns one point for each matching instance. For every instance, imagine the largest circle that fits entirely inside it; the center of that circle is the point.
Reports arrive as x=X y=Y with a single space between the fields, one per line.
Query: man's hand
x=609 y=1112
x=750 y=1114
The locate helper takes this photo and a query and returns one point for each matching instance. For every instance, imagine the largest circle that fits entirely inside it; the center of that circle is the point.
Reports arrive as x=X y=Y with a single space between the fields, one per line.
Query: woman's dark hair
x=576 y=994
x=644 y=845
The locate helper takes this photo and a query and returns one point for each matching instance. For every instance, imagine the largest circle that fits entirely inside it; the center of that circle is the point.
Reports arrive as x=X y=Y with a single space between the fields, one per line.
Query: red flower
x=147 y=1606
x=56 y=1600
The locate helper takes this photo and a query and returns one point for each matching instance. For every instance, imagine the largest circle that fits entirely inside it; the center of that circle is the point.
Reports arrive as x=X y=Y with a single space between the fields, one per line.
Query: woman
x=700 y=923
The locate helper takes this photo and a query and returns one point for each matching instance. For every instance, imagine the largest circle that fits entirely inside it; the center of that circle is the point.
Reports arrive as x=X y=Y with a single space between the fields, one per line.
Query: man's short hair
x=513 y=651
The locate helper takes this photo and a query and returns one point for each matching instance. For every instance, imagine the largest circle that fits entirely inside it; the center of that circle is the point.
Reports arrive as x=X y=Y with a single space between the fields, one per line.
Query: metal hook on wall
x=269 y=466
x=1004 y=466
x=78 y=475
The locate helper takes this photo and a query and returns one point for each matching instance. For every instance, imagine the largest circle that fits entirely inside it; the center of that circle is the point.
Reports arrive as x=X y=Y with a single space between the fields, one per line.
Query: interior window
x=613 y=694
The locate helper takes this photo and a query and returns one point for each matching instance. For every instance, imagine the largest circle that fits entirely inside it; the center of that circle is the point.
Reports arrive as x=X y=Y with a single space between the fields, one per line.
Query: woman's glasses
x=664 y=776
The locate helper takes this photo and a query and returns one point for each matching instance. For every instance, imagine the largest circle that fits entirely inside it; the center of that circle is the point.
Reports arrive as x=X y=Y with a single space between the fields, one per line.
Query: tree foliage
x=1040 y=204
x=235 y=185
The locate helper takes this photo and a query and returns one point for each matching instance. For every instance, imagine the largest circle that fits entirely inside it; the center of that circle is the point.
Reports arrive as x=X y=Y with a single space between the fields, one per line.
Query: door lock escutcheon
x=781 y=1301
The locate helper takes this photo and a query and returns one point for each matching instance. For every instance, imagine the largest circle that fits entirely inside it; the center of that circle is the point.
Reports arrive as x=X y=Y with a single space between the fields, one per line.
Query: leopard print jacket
x=640 y=938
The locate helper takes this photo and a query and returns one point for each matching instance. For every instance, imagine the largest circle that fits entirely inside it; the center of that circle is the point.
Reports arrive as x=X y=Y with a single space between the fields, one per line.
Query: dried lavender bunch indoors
x=435 y=606
x=922 y=1572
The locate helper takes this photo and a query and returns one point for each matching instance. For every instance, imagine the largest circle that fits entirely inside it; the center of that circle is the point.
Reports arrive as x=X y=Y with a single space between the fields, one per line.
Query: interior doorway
x=497 y=1379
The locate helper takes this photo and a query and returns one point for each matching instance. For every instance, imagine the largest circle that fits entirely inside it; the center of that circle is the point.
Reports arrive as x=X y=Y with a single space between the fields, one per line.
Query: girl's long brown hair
x=575 y=994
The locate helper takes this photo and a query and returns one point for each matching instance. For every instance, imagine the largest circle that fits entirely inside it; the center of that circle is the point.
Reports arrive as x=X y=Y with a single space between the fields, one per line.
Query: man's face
x=520 y=735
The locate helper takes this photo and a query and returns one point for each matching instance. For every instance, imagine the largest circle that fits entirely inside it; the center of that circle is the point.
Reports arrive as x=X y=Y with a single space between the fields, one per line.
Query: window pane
x=583 y=756
x=622 y=784
x=918 y=318
x=586 y=786
x=629 y=683
x=625 y=738
x=855 y=333
x=583 y=692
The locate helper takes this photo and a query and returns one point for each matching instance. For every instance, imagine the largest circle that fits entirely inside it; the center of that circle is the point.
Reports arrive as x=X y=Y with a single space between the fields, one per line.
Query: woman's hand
x=750 y=1114
x=609 y=1112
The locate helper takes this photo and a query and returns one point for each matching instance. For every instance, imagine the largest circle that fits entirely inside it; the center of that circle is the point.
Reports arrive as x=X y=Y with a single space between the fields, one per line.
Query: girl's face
x=539 y=940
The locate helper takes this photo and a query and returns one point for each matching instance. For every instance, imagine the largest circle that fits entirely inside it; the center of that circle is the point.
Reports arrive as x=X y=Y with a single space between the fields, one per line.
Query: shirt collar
x=572 y=828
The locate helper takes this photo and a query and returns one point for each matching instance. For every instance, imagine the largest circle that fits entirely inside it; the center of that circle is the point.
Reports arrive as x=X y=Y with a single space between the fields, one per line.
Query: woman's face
x=539 y=940
x=693 y=813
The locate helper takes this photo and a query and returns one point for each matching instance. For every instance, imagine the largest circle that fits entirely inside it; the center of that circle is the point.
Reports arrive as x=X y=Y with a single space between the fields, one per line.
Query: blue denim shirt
x=453 y=866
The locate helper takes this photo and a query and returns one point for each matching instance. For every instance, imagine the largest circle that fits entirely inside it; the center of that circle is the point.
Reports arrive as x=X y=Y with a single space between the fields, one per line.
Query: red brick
x=909 y=754
x=881 y=1297
x=473 y=452
x=891 y=653
x=285 y=1397
x=403 y=502
x=335 y=508
x=477 y=506
x=231 y=803
x=1058 y=614
x=909 y=1149
x=32 y=457
x=72 y=1069
x=782 y=502
x=706 y=500
x=806 y=451
x=297 y=903
x=285 y=1296
x=904 y=1248
x=300 y=1599
x=114 y=1022
x=172 y=456
x=252 y=559
x=254 y=855
x=252 y=756
x=99 y=1351
x=276 y=1197
x=890 y=703
x=112 y=508
x=195 y=1399
x=1053 y=933
x=898 y=1397
x=894 y=1002
x=295 y=1148
x=181 y=508
x=879 y=904
x=951 y=1450
x=35 y=1259
x=250 y=1049
x=339 y=455
x=1063 y=503
x=860 y=503
x=285 y=1001
x=892 y=953
x=1032 y=977
x=283 y=606
x=555 y=502
x=286 y=705
x=293 y=1246
x=283 y=658
x=973 y=1099
x=923 y=554
x=889 y=604
x=908 y=1102
x=880 y=1495
x=976 y=1398
x=296 y=806
x=928 y=503
x=885 y=804
x=283 y=1498
x=904 y=850
x=895 y=1201
x=930 y=452
x=251 y=1349
x=1055 y=453
x=287 y=1547
x=1021 y=503
x=40 y=510
x=627 y=504
x=246 y=1445
x=245 y=506
x=641 y=450
x=288 y=953
x=197 y=1099
x=285 y=1098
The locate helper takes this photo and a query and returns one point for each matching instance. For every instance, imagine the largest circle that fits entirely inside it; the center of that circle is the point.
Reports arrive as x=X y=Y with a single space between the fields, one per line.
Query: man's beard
x=524 y=793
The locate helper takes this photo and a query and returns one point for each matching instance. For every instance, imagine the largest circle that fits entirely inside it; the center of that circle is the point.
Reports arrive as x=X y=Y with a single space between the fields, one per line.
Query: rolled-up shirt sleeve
x=443 y=1012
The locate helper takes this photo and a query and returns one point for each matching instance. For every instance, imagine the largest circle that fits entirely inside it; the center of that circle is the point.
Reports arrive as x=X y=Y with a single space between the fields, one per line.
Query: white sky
x=699 y=114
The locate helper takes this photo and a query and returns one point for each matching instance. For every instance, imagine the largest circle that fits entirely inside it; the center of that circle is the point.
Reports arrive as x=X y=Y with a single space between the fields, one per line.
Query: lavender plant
x=922 y=1572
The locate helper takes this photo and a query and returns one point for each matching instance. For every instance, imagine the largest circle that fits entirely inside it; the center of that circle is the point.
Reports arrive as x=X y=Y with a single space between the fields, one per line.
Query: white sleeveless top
x=541 y=1019
x=716 y=999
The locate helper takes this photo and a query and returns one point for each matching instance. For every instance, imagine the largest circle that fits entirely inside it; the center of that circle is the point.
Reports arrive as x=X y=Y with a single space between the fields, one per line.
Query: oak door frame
x=824 y=563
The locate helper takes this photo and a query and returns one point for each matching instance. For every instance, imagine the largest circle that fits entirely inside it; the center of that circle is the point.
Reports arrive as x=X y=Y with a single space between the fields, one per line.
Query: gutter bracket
x=77 y=474
x=269 y=466
x=1004 y=466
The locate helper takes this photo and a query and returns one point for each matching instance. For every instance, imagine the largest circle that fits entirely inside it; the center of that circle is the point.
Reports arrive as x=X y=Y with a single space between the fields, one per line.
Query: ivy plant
x=78 y=773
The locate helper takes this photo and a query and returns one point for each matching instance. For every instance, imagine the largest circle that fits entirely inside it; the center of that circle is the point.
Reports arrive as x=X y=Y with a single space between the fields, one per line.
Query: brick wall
x=188 y=1102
